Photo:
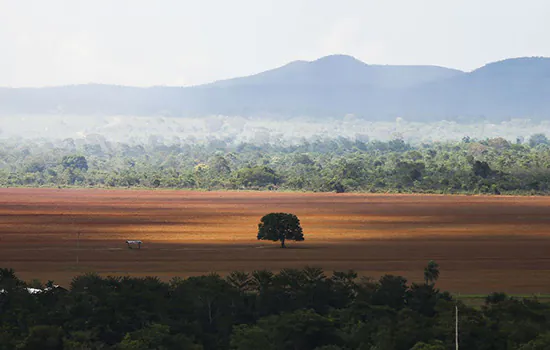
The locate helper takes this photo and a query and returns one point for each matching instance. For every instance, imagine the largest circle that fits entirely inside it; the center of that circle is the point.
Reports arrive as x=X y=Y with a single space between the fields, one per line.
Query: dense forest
x=492 y=166
x=293 y=309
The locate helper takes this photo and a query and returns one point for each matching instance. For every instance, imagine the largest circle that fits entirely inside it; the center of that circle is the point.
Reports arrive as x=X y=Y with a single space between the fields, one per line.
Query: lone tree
x=431 y=272
x=280 y=227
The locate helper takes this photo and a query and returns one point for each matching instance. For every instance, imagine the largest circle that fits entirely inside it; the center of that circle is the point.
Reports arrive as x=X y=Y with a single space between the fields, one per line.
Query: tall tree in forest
x=431 y=272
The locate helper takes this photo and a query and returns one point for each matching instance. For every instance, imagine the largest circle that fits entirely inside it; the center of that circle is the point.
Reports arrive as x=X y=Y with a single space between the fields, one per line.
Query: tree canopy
x=490 y=166
x=431 y=272
x=294 y=309
x=280 y=227
x=75 y=162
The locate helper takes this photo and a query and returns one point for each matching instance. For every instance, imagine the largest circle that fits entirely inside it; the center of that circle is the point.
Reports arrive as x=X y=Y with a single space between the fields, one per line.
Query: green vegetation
x=293 y=309
x=431 y=272
x=491 y=166
x=280 y=227
x=478 y=300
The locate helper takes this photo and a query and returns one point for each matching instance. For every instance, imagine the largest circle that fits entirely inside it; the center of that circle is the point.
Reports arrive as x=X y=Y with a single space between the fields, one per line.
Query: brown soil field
x=482 y=244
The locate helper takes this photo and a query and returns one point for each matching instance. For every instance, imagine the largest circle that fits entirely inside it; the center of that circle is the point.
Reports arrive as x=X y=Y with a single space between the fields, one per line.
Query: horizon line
x=268 y=70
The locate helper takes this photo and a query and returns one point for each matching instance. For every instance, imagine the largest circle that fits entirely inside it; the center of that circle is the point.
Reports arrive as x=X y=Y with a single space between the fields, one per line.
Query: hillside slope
x=328 y=87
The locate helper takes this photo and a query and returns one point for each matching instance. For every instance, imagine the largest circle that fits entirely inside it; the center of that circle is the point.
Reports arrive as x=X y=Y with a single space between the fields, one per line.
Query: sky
x=190 y=42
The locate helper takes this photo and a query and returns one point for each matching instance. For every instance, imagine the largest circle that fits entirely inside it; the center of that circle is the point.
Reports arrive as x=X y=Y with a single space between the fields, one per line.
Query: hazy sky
x=185 y=42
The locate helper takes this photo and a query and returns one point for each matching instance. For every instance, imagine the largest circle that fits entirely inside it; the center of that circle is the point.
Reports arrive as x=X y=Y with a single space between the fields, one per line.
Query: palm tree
x=431 y=272
x=240 y=280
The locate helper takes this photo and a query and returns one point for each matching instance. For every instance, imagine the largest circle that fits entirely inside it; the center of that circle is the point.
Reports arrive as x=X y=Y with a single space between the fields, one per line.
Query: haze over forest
x=335 y=95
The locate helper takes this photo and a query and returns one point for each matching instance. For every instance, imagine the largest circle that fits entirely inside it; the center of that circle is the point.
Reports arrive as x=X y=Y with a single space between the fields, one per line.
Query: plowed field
x=482 y=244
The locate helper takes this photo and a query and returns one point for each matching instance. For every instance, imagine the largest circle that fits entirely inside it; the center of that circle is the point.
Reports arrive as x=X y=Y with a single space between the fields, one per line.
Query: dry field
x=482 y=244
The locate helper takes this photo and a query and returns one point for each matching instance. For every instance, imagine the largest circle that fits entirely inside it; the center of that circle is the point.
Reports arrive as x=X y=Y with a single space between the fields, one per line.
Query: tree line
x=294 y=309
x=491 y=166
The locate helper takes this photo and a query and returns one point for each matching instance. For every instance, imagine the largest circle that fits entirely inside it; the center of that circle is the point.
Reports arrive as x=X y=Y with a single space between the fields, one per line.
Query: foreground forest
x=491 y=166
x=293 y=309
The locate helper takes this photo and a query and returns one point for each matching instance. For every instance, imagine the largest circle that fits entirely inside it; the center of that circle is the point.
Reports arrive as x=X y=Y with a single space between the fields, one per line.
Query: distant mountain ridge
x=343 y=70
x=332 y=86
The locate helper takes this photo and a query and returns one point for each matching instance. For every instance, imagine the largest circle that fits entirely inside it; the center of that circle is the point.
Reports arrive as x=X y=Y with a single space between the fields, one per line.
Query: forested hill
x=332 y=86
x=342 y=71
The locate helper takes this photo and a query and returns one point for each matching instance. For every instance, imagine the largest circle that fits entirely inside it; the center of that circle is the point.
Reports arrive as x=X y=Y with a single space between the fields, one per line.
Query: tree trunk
x=283 y=242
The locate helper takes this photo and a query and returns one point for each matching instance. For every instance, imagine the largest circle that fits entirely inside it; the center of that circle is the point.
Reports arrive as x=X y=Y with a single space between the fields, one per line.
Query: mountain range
x=331 y=86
